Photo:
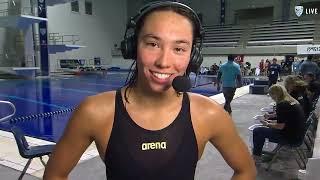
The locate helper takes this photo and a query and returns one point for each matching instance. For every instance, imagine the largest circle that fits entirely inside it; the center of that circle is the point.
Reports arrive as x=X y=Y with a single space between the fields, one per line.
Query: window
x=75 y=6
x=88 y=7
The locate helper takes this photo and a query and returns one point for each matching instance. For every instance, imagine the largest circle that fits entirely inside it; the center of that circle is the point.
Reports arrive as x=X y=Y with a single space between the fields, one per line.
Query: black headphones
x=129 y=43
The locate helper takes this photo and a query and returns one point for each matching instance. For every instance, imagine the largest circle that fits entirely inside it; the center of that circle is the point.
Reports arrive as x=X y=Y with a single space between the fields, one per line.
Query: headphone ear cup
x=196 y=59
x=128 y=48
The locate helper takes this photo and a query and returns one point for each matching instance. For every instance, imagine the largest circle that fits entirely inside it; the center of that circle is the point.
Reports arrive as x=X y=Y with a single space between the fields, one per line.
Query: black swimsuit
x=135 y=153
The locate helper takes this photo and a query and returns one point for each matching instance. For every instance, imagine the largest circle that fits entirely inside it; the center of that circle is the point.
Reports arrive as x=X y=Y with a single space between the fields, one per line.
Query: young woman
x=288 y=128
x=146 y=130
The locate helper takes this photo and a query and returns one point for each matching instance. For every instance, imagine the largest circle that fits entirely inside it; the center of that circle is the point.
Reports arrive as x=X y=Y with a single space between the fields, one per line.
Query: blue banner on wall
x=43 y=38
x=222 y=12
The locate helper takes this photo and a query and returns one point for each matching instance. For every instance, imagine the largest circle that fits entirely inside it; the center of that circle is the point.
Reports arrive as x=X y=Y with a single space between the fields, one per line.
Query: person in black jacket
x=274 y=70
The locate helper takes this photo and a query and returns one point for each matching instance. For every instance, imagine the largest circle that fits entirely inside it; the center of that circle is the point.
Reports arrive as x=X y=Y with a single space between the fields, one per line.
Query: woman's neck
x=141 y=95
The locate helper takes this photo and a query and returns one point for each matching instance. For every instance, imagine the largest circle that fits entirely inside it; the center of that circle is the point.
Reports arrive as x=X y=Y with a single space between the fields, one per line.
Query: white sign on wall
x=308 y=49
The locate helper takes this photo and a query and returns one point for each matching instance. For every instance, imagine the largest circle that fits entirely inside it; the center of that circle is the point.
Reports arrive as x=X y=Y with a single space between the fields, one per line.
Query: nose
x=163 y=61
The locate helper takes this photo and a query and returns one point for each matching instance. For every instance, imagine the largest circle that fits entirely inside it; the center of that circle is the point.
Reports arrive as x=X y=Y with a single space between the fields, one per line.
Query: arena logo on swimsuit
x=153 y=145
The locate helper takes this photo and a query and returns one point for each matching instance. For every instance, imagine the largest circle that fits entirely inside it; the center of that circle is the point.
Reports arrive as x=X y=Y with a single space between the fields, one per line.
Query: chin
x=159 y=88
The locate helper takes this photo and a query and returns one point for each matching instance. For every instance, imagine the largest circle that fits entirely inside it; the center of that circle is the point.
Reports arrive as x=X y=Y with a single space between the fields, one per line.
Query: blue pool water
x=45 y=105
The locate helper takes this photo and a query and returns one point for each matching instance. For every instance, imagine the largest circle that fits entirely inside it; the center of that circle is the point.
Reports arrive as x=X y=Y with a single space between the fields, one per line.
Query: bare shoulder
x=97 y=110
x=207 y=115
x=101 y=101
x=204 y=106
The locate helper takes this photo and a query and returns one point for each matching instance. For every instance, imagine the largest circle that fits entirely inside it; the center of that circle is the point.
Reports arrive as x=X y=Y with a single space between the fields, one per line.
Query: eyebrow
x=182 y=41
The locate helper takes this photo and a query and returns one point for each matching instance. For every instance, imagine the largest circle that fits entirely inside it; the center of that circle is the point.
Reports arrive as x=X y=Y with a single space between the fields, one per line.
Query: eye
x=180 y=50
x=152 y=44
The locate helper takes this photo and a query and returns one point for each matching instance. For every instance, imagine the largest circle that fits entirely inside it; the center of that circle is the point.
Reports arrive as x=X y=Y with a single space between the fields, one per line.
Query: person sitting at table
x=288 y=126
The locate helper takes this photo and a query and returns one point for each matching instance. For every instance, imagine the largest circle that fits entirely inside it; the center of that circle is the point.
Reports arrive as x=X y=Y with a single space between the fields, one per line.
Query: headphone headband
x=158 y=4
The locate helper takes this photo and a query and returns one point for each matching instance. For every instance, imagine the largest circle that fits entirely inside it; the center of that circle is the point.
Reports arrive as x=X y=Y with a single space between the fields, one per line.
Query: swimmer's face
x=163 y=49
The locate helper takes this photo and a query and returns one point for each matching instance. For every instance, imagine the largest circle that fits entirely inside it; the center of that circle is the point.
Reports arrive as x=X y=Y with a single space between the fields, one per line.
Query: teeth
x=161 y=76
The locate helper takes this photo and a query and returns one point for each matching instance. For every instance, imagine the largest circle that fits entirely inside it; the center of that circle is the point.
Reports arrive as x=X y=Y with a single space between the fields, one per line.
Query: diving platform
x=57 y=48
x=20 y=21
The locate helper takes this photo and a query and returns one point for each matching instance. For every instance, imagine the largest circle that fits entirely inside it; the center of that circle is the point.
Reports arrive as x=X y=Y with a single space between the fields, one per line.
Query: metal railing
x=12 y=114
x=16 y=60
x=58 y=39
x=4 y=8
x=11 y=8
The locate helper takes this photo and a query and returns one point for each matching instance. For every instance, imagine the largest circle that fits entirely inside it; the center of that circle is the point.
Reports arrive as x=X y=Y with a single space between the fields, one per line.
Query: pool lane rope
x=41 y=115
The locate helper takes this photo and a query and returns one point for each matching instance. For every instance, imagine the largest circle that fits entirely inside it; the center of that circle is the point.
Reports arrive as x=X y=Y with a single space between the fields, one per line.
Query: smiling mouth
x=161 y=75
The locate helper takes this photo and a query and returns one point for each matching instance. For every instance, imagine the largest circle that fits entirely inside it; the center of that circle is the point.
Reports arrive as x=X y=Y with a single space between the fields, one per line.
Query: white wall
x=99 y=32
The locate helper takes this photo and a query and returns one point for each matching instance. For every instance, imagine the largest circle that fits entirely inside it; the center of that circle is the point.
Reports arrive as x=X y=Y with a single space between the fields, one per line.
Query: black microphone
x=181 y=84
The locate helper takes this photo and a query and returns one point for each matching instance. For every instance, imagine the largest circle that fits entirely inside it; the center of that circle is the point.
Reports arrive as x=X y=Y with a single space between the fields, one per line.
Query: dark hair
x=230 y=57
x=133 y=72
x=310 y=74
x=309 y=57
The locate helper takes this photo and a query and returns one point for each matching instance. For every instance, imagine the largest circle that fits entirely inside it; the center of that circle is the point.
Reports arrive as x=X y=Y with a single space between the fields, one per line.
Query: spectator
x=313 y=88
x=309 y=67
x=213 y=69
x=297 y=87
x=274 y=72
x=289 y=62
x=288 y=128
x=261 y=67
x=266 y=67
x=295 y=67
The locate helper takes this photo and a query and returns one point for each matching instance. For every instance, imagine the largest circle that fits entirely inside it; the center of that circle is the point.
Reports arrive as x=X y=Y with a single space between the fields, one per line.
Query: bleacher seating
x=291 y=32
x=282 y=33
x=222 y=36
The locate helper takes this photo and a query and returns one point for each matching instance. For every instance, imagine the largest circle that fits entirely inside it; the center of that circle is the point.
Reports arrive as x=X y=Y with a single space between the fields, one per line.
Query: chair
x=311 y=131
x=297 y=148
x=29 y=152
x=301 y=161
